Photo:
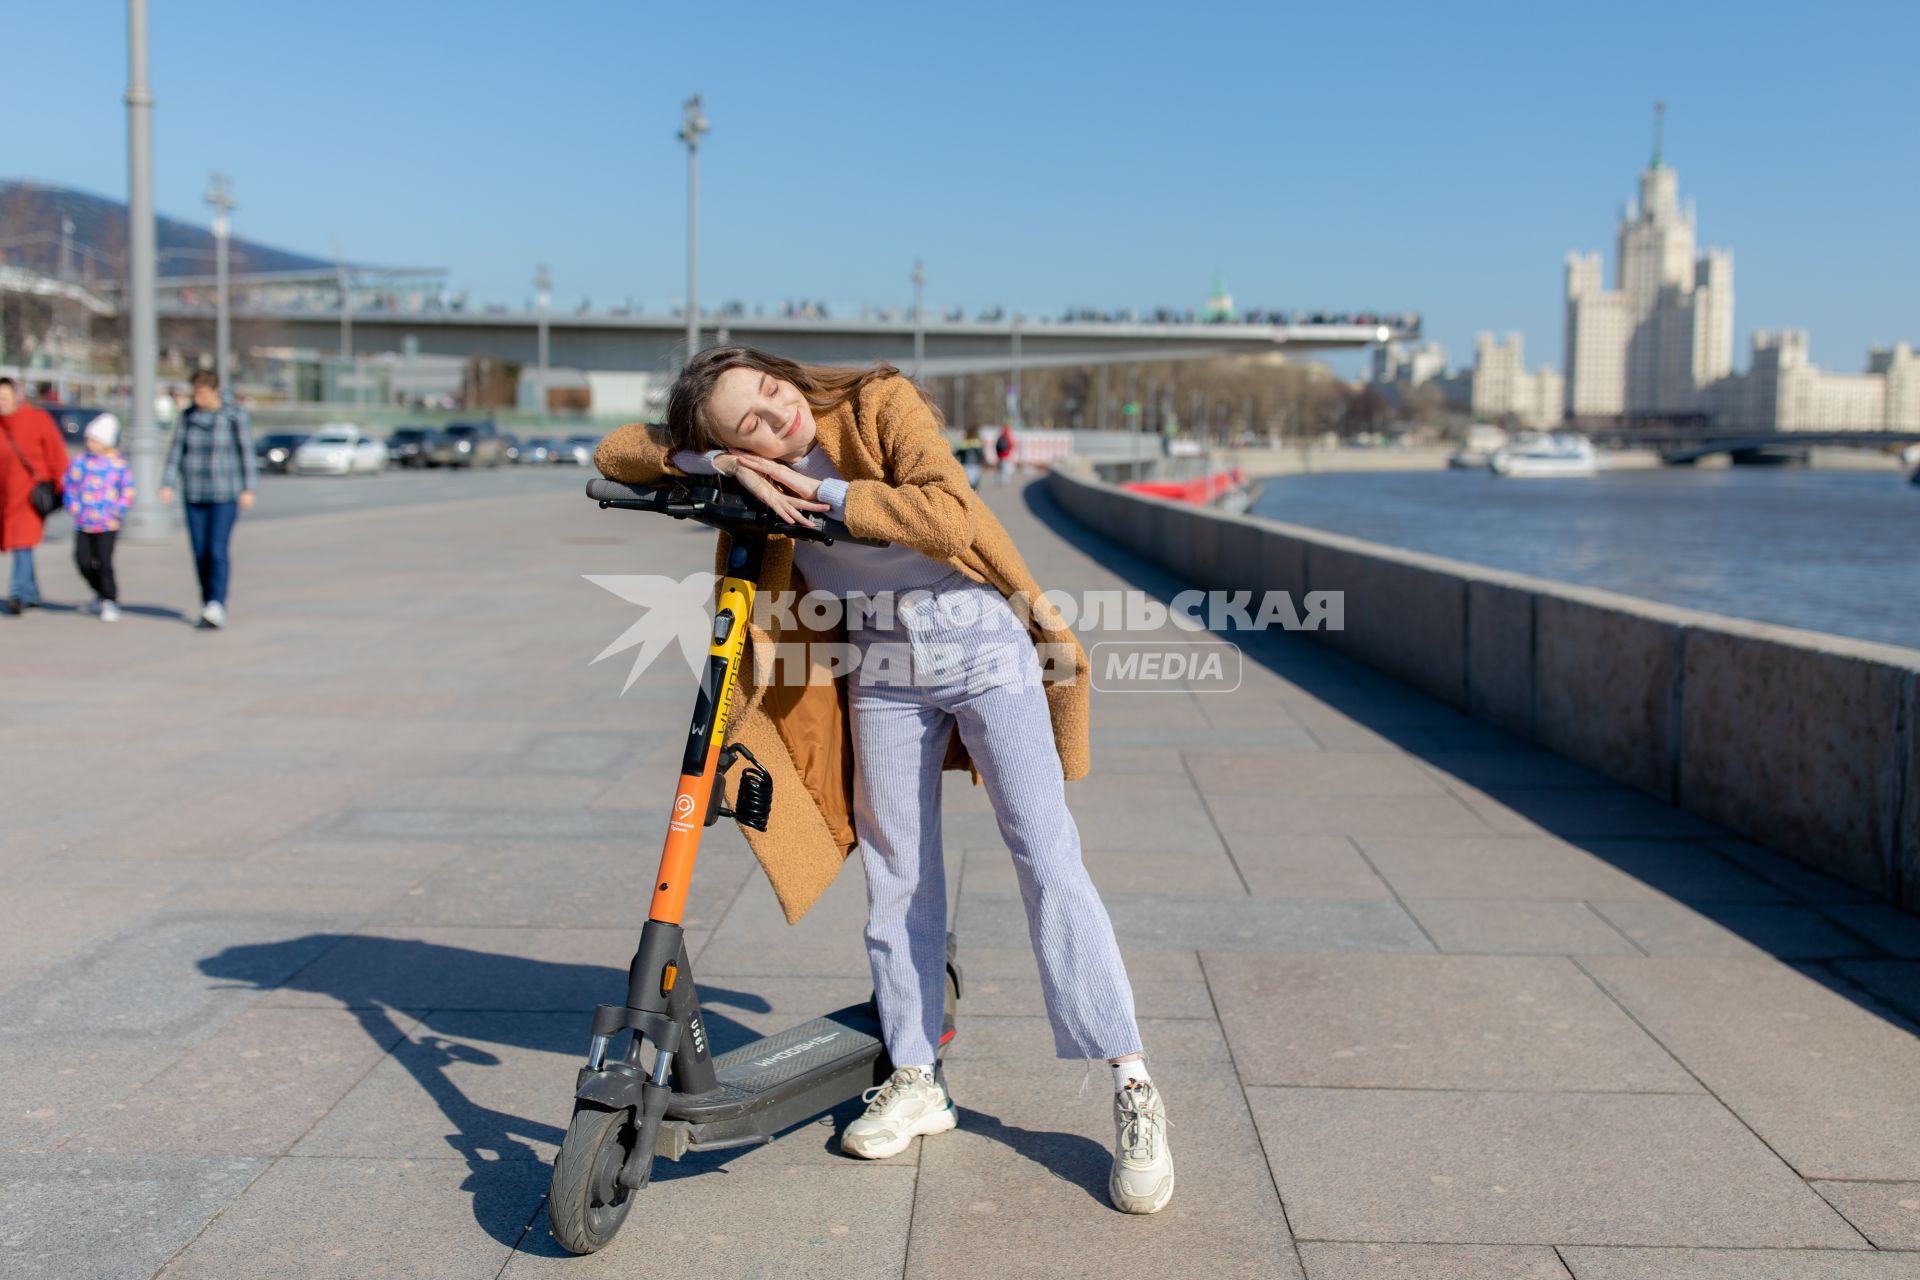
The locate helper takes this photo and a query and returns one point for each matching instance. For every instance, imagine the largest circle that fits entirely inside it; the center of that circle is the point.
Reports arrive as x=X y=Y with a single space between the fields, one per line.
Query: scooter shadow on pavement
x=528 y=1005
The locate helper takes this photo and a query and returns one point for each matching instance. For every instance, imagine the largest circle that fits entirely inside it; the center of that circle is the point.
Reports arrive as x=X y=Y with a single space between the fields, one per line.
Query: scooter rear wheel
x=586 y=1203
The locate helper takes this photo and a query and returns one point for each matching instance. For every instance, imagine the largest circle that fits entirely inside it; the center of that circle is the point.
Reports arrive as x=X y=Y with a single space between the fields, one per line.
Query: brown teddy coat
x=903 y=485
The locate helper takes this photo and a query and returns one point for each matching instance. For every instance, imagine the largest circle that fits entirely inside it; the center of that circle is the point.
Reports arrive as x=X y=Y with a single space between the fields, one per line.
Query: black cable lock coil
x=753 y=799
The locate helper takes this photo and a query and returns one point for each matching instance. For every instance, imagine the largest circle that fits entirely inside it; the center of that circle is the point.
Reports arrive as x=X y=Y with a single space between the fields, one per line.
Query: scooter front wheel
x=586 y=1203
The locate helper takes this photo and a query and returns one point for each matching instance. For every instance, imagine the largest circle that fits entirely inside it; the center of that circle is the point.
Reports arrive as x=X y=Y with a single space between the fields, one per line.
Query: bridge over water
x=1690 y=449
x=644 y=343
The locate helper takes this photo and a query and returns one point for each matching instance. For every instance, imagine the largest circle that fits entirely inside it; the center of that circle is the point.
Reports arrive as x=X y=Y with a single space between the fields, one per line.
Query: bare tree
x=1263 y=398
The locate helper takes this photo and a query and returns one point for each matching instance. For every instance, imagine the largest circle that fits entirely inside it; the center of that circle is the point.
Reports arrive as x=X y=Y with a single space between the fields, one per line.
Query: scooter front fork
x=638 y=1170
x=597 y=1058
x=663 y=1010
x=597 y=1052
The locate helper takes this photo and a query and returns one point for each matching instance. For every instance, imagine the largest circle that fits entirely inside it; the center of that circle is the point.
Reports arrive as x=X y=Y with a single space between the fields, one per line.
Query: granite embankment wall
x=1804 y=742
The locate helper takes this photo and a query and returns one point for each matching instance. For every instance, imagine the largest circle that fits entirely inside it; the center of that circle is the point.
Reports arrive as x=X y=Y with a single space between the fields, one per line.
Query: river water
x=1833 y=551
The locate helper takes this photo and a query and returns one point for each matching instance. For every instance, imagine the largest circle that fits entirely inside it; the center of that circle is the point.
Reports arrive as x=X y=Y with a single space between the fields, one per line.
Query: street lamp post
x=220 y=196
x=1013 y=392
x=346 y=310
x=544 y=298
x=147 y=521
x=919 y=318
x=691 y=127
x=66 y=273
x=1133 y=409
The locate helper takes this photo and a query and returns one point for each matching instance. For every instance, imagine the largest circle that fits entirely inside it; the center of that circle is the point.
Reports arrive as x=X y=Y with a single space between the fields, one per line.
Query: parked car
x=339 y=449
x=408 y=446
x=579 y=450
x=512 y=444
x=275 y=452
x=538 y=449
x=468 y=444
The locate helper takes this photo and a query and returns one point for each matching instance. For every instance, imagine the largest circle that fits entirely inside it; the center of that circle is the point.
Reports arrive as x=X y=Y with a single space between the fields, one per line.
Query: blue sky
x=1429 y=157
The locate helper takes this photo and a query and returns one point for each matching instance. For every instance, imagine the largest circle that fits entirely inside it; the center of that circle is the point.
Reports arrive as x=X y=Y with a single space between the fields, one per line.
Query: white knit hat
x=105 y=429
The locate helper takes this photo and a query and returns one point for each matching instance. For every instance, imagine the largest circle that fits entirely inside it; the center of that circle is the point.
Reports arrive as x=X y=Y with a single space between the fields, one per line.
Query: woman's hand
x=776 y=486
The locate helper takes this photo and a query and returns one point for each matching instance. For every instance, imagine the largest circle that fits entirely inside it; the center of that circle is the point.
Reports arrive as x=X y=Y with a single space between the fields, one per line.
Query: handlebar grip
x=602 y=489
x=747 y=515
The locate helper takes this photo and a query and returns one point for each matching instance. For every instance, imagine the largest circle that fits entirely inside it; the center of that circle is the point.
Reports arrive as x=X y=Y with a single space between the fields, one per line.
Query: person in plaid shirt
x=99 y=489
x=211 y=464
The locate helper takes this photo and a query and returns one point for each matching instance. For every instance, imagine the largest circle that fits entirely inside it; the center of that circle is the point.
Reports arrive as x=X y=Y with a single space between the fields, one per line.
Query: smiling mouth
x=791 y=426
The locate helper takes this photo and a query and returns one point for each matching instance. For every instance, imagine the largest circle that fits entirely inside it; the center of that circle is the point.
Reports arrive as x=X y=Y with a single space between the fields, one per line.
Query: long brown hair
x=825 y=386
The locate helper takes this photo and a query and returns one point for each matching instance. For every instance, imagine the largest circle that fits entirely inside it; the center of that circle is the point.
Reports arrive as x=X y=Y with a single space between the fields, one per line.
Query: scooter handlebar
x=717 y=506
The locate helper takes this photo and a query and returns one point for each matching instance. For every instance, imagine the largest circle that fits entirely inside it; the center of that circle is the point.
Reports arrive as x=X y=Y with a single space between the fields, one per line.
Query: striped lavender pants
x=954 y=654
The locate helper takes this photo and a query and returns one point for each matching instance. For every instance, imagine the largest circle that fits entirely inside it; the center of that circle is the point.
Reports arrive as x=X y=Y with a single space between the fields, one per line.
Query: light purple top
x=845 y=568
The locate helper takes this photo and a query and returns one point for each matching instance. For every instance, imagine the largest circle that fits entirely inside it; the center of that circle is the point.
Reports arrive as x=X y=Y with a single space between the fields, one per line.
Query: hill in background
x=30 y=214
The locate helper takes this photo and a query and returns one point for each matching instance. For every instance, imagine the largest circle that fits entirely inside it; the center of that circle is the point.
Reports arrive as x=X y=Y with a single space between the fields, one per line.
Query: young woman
x=866 y=448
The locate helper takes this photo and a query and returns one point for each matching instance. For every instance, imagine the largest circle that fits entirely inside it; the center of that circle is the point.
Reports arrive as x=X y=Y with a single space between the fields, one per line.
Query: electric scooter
x=660 y=1091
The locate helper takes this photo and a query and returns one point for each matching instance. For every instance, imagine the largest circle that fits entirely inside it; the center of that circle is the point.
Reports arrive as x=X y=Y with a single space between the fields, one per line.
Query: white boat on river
x=1555 y=453
x=1478 y=448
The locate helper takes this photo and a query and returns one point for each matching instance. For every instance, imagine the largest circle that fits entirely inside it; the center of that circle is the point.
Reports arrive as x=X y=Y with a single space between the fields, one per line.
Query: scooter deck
x=777 y=1082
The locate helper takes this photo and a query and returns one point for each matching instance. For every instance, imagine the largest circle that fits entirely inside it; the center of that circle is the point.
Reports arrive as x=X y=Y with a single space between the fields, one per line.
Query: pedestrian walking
x=32 y=461
x=866 y=448
x=211 y=465
x=973 y=456
x=1003 y=451
x=99 y=489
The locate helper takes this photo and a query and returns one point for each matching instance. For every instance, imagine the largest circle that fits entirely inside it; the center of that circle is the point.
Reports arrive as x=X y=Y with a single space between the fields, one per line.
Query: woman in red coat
x=30 y=451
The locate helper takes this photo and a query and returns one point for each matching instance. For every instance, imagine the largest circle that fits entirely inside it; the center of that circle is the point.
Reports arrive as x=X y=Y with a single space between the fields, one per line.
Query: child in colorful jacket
x=99 y=489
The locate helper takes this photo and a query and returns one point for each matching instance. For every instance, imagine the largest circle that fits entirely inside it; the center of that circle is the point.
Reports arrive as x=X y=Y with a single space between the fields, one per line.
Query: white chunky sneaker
x=1142 y=1177
x=213 y=615
x=109 y=611
x=909 y=1105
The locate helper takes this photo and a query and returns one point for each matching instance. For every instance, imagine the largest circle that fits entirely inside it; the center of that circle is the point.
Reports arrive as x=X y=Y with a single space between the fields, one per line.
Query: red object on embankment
x=1200 y=491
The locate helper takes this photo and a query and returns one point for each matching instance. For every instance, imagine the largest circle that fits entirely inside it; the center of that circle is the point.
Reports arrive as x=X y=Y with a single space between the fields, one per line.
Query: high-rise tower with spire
x=1651 y=345
x=1219 y=302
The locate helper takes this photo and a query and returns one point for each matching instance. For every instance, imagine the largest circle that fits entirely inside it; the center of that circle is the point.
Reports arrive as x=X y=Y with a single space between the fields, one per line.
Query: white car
x=339 y=449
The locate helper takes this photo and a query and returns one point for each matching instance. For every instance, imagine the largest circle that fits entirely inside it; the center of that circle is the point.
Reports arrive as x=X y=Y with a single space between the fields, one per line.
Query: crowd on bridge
x=321 y=300
x=1408 y=321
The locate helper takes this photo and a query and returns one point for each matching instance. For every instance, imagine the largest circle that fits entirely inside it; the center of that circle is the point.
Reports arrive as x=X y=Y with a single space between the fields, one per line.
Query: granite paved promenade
x=300 y=925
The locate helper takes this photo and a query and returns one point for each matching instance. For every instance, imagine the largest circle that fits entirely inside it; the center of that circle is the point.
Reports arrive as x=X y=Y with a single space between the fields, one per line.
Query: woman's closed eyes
x=764 y=414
